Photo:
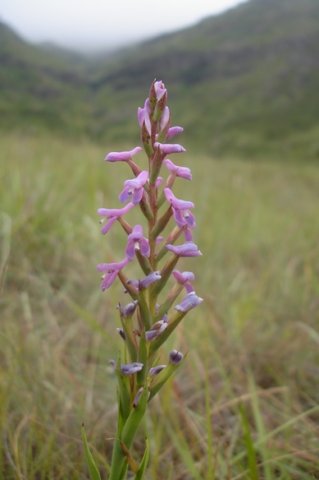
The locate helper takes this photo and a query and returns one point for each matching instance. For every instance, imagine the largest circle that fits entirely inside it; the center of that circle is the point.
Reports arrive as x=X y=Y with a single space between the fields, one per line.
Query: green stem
x=119 y=461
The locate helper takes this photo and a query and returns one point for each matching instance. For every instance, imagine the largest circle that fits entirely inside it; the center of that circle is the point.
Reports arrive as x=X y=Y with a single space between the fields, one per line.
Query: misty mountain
x=244 y=82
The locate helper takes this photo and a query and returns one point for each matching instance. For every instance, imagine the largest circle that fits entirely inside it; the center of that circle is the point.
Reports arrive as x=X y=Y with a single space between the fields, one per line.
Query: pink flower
x=110 y=272
x=183 y=172
x=143 y=116
x=165 y=118
x=113 y=214
x=134 y=188
x=173 y=131
x=156 y=329
x=185 y=279
x=136 y=241
x=187 y=249
x=146 y=281
x=122 y=156
x=131 y=368
x=160 y=90
x=181 y=210
x=190 y=301
x=168 y=148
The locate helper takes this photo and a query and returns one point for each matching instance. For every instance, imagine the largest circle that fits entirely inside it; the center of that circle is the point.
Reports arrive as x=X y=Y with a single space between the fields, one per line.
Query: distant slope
x=244 y=82
x=39 y=89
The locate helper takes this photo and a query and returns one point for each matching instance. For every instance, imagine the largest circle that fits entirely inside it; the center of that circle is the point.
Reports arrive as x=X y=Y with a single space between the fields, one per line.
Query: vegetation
x=246 y=403
x=250 y=77
x=249 y=386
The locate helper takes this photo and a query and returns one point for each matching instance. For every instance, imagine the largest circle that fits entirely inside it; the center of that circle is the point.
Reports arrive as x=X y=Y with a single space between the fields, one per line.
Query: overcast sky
x=103 y=23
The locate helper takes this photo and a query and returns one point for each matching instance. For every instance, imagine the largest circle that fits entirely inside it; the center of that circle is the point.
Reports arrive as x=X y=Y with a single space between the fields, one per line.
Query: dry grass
x=246 y=403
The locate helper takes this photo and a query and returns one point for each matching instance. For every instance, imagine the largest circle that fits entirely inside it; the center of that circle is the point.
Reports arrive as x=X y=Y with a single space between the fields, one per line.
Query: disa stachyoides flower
x=122 y=156
x=134 y=189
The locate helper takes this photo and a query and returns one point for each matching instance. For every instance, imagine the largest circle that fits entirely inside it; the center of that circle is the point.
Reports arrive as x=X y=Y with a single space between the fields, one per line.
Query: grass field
x=246 y=403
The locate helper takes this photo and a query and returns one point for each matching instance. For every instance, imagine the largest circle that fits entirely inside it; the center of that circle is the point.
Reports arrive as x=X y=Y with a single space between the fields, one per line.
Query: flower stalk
x=146 y=322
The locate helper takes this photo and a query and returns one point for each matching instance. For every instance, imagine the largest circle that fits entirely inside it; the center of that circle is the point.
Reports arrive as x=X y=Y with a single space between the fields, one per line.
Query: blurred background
x=243 y=81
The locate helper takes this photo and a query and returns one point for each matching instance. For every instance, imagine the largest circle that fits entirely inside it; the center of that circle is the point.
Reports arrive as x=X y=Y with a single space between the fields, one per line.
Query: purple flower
x=127 y=310
x=168 y=148
x=175 y=357
x=181 y=209
x=134 y=188
x=122 y=156
x=165 y=119
x=136 y=241
x=143 y=116
x=146 y=281
x=156 y=370
x=113 y=214
x=173 y=131
x=183 y=172
x=177 y=203
x=131 y=368
x=185 y=279
x=160 y=90
x=156 y=329
x=187 y=249
x=190 y=301
x=110 y=271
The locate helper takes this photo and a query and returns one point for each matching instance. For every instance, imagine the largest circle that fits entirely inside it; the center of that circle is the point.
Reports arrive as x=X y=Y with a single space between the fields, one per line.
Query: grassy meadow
x=245 y=405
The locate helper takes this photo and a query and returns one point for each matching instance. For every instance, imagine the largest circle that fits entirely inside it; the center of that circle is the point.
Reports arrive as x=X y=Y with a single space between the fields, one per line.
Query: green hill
x=244 y=82
x=40 y=88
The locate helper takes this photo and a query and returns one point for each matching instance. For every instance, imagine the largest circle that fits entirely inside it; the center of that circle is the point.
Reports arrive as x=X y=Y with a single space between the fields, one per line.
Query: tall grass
x=245 y=405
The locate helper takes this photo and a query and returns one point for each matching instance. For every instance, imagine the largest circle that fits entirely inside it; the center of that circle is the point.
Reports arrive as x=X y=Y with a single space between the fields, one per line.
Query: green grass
x=245 y=404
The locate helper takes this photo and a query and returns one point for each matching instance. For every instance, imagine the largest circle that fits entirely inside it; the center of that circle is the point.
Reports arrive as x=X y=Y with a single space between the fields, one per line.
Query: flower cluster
x=151 y=316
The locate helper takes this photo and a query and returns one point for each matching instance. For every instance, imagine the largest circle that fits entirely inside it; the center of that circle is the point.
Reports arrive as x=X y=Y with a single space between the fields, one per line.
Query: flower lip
x=173 y=131
x=110 y=272
x=146 y=281
x=182 y=172
x=187 y=249
x=190 y=301
x=134 y=188
x=112 y=214
x=177 y=203
x=185 y=279
x=168 y=148
x=123 y=156
x=136 y=241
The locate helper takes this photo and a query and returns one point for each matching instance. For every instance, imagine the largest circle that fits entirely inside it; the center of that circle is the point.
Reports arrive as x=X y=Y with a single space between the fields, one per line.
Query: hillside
x=39 y=88
x=244 y=82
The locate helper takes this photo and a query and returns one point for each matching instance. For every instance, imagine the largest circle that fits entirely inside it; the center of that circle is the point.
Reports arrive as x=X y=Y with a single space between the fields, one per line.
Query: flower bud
x=121 y=333
x=175 y=357
x=127 y=310
x=131 y=368
x=156 y=370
